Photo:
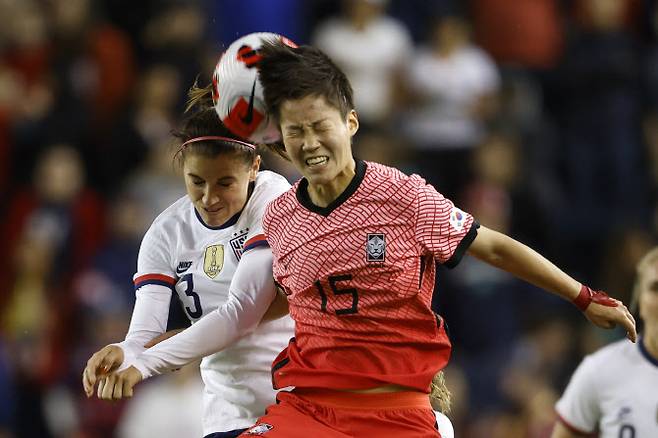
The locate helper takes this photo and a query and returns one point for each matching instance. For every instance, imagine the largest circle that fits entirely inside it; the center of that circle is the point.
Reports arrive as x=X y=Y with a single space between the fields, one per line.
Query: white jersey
x=615 y=392
x=445 y=425
x=198 y=262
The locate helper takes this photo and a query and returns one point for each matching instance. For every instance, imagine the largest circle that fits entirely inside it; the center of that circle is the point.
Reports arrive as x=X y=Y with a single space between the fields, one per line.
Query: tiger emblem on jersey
x=213 y=260
x=376 y=247
x=260 y=429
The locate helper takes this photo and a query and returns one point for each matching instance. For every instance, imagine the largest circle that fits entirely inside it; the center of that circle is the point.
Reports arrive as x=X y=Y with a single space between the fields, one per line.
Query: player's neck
x=324 y=194
x=650 y=340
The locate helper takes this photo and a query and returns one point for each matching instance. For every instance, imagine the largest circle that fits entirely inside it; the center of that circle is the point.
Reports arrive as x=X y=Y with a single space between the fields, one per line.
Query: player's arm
x=279 y=307
x=153 y=287
x=561 y=431
x=251 y=292
x=148 y=321
x=518 y=259
x=579 y=408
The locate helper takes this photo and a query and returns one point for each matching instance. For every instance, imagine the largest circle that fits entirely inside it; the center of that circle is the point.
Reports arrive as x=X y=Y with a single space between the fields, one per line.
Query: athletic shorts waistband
x=354 y=400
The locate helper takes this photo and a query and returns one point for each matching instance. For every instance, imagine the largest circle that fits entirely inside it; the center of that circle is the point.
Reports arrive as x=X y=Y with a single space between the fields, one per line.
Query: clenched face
x=218 y=186
x=318 y=141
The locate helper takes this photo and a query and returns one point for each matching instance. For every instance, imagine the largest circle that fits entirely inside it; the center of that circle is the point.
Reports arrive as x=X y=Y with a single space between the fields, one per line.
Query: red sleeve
x=443 y=229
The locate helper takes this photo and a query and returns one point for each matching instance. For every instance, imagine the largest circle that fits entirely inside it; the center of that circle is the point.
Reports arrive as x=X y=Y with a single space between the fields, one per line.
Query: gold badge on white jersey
x=213 y=260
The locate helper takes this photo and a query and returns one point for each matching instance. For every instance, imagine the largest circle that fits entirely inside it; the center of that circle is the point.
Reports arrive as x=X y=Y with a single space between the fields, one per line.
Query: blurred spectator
x=527 y=33
x=60 y=203
x=94 y=60
x=143 y=129
x=175 y=36
x=536 y=368
x=371 y=48
x=232 y=19
x=106 y=286
x=599 y=104
x=545 y=145
x=7 y=398
x=32 y=324
x=453 y=85
x=151 y=413
x=156 y=185
x=623 y=251
x=502 y=181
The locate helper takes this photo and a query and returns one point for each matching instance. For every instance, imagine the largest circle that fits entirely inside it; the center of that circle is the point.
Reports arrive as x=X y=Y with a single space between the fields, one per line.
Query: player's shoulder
x=383 y=173
x=389 y=179
x=286 y=200
x=609 y=357
x=271 y=182
x=268 y=186
x=173 y=214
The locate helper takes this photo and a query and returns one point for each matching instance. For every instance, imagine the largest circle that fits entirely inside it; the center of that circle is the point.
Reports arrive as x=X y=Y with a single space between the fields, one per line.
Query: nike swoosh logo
x=180 y=271
x=249 y=117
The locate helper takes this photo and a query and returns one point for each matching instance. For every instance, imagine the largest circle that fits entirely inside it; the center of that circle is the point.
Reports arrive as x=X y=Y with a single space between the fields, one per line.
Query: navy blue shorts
x=230 y=434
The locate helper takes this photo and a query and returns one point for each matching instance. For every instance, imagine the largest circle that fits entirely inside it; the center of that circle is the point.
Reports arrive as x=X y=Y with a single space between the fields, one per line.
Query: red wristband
x=587 y=295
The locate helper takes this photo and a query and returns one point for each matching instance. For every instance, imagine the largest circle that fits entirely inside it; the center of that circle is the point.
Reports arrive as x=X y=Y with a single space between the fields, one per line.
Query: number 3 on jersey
x=333 y=284
x=195 y=311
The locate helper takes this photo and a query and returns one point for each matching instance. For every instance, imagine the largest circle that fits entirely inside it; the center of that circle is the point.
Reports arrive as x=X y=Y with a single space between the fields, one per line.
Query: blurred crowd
x=540 y=117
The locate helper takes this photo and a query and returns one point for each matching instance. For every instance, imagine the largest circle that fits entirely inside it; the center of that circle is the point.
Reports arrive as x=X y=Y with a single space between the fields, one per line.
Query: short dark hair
x=205 y=122
x=296 y=72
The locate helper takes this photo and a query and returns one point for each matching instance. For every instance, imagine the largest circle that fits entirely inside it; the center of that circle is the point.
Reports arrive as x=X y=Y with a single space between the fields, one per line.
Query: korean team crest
x=457 y=219
x=376 y=247
x=213 y=260
x=259 y=429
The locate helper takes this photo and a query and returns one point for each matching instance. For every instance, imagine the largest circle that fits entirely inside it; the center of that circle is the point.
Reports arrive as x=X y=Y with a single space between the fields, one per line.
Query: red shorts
x=324 y=413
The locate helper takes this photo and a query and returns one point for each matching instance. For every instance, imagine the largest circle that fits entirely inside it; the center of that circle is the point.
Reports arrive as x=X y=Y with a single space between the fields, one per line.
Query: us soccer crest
x=237 y=242
x=260 y=429
x=213 y=260
x=376 y=247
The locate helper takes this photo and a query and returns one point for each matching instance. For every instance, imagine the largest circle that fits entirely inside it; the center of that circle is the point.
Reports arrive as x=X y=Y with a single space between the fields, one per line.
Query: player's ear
x=352 y=122
x=253 y=171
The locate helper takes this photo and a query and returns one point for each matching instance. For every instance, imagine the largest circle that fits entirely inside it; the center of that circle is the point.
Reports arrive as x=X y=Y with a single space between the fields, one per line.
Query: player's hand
x=101 y=363
x=118 y=385
x=162 y=337
x=608 y=317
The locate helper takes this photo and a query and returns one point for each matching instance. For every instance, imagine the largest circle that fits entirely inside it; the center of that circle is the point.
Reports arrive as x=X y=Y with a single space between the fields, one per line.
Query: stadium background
x=558 y=147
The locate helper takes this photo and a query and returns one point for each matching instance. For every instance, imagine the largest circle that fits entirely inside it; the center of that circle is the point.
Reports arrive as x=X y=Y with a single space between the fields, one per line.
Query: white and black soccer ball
x=237 y=92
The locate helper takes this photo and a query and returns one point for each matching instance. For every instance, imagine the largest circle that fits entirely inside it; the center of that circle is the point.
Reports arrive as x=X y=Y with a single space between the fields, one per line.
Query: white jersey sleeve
x=251 y=292
x=273 y=186
x=154 y=282
x=579 y=407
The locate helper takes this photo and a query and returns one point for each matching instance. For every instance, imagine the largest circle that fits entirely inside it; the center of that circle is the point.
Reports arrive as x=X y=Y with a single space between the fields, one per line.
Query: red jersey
x=359 y=275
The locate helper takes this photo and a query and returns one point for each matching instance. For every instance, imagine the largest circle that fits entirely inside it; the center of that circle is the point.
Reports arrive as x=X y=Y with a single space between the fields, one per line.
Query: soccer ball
x=237 y=93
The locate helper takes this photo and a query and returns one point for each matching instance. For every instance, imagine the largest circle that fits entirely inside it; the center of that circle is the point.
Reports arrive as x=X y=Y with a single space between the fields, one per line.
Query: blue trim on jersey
x=255 y=245
x=646 y=353
x=230 y=434
x=158 y=282
x=228 y=223
x=232 y=221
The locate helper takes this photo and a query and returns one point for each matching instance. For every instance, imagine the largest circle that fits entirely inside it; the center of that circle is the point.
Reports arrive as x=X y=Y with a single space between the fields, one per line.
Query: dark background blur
x=540 y=117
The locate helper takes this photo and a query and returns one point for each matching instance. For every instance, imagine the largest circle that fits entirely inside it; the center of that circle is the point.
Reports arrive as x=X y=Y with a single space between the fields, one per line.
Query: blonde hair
x=440 y=396
x=645 y=262
x=200 y=97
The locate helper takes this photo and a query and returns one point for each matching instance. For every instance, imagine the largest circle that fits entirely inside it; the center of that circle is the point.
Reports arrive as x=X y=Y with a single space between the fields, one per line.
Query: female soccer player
x=209 y=248
x=355 y=245
x=615 y=391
